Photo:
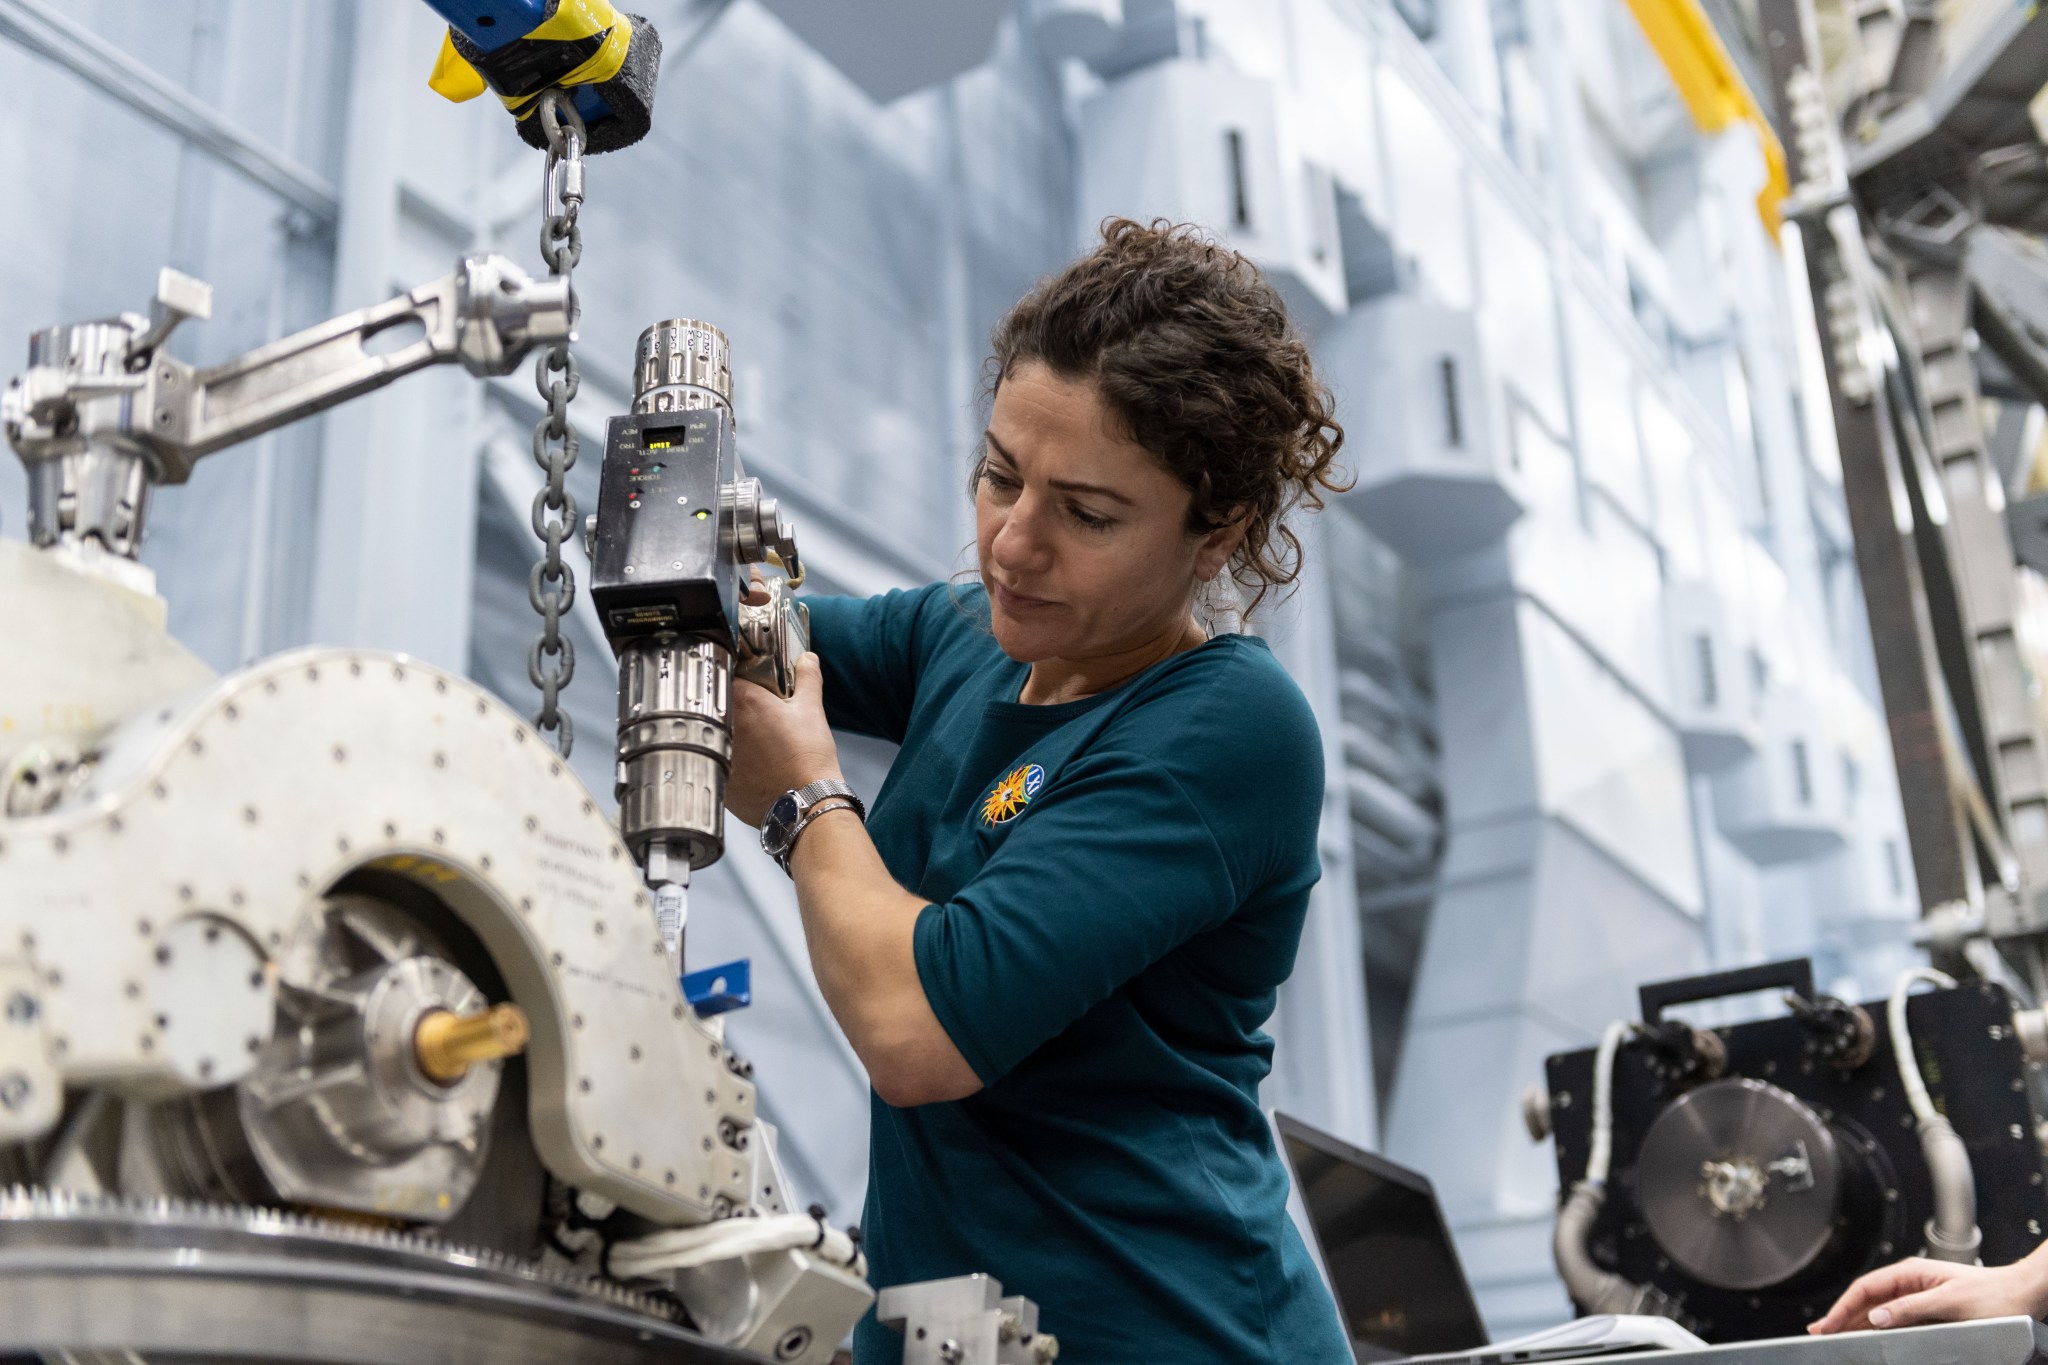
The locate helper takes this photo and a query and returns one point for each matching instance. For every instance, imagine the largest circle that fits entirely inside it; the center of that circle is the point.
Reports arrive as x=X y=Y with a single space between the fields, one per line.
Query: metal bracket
x=717 y=990
x=965 y=1321
x=178 y=296
x=102 y=414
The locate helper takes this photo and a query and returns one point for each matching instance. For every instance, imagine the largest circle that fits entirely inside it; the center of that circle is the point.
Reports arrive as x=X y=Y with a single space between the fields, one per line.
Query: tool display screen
x=662 y=438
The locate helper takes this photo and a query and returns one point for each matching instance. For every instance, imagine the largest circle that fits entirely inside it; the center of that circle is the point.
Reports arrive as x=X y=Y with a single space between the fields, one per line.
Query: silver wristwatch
x=795 y=809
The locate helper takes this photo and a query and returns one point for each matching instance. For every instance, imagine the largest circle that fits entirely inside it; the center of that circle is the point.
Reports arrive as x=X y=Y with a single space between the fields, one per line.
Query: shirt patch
x=1011 y=795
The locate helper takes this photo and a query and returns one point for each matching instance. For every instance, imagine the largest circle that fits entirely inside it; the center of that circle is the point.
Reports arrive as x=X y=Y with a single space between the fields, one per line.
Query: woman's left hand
x=778 y=745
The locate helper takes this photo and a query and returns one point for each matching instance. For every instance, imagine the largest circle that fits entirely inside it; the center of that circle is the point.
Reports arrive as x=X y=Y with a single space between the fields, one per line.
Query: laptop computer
x=1394 y=1271
x=1384 y=1246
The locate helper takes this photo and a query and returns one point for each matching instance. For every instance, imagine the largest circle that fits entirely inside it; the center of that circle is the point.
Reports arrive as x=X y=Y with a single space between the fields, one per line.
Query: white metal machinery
x=234 y=910
x=259 y=850
x=966 y=1320
x=272 y=945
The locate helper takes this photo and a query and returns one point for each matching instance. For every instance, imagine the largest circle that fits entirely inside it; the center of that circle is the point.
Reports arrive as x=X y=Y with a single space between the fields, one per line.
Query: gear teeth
x=24 y=1203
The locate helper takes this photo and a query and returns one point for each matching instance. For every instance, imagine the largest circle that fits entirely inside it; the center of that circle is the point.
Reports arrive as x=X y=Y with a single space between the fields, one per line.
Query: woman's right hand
x=1919 y=1291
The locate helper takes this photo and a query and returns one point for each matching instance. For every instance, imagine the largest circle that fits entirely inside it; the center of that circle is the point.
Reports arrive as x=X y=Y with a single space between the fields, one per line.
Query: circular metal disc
x=336 y=1112
x=1739 y=1183
x=218 y=1283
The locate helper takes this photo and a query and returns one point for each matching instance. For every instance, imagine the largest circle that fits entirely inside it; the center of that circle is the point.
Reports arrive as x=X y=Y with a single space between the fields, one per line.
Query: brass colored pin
x=448 y=1045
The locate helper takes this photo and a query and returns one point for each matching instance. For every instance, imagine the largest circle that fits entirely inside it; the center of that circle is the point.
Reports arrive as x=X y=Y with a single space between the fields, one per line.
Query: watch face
x=781 y=815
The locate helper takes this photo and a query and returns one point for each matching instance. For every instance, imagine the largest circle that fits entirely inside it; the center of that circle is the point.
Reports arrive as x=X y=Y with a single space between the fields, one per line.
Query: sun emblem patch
x=1011 y=794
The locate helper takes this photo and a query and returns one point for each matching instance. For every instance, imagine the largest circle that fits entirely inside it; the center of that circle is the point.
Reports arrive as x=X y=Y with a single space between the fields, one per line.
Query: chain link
x=551 y=588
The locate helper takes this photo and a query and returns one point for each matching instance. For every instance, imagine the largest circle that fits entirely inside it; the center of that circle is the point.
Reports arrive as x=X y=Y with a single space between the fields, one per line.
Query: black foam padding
x=630 y=95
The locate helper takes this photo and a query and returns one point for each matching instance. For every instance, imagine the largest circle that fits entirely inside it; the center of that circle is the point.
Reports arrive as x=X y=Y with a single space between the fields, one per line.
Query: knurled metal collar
x=682 y=364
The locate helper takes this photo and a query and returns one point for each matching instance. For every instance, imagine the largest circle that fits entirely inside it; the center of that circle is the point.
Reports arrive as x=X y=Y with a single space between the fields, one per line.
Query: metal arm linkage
x=1912 y=202
x=102 y=415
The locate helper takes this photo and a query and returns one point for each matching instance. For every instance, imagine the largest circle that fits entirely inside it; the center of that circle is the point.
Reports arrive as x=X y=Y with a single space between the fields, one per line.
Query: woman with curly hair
x=1056 y=934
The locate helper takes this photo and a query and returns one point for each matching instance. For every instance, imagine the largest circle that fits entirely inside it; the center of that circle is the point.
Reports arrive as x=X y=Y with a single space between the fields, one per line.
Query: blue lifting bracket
x=718 y=989
x=519 y=49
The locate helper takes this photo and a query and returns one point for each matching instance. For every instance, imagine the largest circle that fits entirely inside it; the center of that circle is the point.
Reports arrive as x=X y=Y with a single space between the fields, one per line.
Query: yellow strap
x=453 y=78
x=574 y=19
x=1711 y=87
x=579 y=19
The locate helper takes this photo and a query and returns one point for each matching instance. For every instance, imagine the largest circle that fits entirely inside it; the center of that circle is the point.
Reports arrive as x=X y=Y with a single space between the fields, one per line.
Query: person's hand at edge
x=1918 y=1291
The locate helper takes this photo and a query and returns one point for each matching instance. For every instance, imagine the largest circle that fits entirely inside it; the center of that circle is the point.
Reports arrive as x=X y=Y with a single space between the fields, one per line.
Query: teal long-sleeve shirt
x=1117 y=887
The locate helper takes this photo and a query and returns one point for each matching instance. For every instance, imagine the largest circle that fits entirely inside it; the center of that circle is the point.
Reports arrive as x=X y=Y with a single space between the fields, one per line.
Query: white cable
x=684 y=1248
x=1952 y=1233
x=1597 y=1290
x=1902 y=1043
x=1601 y=1153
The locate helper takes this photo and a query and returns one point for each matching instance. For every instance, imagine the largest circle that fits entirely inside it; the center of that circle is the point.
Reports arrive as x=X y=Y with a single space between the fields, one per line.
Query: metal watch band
x=809 y=795
x=778 y=838
x=831 y=803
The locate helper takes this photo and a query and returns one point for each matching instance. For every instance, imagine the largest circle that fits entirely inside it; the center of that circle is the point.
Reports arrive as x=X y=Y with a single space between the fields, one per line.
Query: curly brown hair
x=1193 y=352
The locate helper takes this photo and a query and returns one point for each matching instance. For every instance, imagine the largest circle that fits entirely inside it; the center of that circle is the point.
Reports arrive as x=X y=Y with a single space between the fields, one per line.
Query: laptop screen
x=1392 y=1267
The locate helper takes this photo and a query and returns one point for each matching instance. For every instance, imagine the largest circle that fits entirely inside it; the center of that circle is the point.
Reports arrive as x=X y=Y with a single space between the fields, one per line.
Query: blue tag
x=718 y=989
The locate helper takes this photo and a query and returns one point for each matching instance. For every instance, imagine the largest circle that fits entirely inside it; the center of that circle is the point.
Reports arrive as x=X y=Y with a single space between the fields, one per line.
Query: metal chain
x=551 y=662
